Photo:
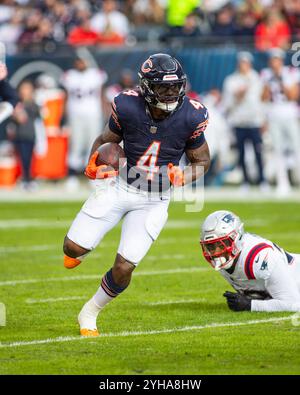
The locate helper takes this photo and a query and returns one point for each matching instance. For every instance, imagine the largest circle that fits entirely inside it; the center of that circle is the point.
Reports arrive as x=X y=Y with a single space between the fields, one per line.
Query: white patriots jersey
x=84 y=90
x=280 y=106
x=265 y=267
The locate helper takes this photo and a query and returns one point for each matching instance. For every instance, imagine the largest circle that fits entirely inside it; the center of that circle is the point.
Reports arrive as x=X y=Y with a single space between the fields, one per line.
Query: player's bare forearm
x=106 y=137
x=200 y=162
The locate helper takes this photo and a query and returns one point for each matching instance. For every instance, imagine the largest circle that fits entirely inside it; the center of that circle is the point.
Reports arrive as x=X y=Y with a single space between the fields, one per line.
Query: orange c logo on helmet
x=147 y=66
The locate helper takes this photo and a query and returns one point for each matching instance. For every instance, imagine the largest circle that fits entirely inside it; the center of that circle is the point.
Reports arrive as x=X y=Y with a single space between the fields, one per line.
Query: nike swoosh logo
x=205 y=115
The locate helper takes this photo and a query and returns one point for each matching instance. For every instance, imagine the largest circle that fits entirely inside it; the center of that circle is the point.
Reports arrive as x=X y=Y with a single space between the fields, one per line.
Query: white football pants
x=144 y=217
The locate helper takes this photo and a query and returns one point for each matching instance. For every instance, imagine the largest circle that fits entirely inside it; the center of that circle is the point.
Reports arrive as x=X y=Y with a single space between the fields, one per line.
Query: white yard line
x=50 y=223
x=98 y=276
x=54 y=300
x=180 y=301
x=33 y=223
x=160 y=303
x=31 y=248
x=65 y=223
x=143 y=333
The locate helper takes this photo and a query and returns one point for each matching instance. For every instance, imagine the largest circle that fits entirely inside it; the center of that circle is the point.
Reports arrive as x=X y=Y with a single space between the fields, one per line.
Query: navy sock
x=109 y=286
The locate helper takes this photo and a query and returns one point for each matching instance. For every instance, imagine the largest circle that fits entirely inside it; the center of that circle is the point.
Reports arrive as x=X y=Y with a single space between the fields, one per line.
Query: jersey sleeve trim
x=249 y=262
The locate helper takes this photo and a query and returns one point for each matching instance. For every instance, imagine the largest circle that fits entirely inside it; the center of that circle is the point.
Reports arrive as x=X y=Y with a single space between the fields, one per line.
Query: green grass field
x=171 y=320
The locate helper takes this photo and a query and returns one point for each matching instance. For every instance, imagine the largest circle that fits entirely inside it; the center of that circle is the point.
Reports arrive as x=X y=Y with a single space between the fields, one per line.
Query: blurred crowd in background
x=46 y=24
x=253 y=133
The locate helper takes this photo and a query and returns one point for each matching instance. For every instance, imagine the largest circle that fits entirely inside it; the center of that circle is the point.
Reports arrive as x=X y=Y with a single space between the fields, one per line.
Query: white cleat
x=87 y=319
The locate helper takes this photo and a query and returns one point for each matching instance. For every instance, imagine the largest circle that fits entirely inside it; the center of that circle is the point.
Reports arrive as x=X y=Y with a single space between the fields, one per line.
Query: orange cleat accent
x=89 y=332
x=70 y=263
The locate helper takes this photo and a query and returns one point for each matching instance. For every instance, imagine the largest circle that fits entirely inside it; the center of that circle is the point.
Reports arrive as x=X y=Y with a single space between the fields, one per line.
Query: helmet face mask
x=221 y=239
x=221 y=252
x=162 y=82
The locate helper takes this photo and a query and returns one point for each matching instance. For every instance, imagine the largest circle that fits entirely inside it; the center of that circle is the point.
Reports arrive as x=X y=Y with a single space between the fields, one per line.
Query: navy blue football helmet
x=162 y=82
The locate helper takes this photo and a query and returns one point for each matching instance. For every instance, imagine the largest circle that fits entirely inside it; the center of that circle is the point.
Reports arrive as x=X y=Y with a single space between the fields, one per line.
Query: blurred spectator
x=213 y=5
x=22 y=130
x=29 y=34
x=273 y=31
x=44 y=35
x=254 y=8
x=6 y=10
x=83 y=34
x=111 y=24
x=141 y=12
x=242 y=100
x=63 y=18
x=281 y=93
x=224 y=24
x=218 y=138
x=189 y=29
x=291 y=10
x=178 y=10
x=85 y=114
x=245 y=25
x=10 y=32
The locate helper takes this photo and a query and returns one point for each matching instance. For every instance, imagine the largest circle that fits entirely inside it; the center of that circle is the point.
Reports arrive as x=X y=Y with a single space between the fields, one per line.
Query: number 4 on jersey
x=148 y=161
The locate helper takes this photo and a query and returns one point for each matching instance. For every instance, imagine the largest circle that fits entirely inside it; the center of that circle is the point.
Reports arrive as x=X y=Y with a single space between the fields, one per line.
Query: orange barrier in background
x=9 y=174
x=53 y=165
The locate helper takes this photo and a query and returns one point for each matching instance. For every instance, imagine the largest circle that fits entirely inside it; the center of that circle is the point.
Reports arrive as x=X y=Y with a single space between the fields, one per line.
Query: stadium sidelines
x=98 y=276
x=144 y=333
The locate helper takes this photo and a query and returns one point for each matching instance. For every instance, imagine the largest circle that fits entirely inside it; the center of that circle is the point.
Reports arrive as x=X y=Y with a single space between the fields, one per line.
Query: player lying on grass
x=265 y=276
x=157 y=124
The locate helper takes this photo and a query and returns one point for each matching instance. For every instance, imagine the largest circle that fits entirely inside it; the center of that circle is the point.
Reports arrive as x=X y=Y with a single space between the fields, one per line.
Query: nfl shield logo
x=153 y=129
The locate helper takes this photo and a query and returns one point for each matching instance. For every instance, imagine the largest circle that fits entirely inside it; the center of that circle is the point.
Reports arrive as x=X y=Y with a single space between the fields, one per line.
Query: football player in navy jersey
x=157 y=124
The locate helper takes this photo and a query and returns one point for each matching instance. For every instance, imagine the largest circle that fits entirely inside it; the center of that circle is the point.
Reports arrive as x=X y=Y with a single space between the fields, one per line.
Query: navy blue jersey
x=150 y=145
x=7 y=93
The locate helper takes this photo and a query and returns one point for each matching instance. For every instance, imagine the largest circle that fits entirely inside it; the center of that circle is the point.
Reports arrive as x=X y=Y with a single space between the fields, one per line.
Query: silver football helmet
x=221 y=238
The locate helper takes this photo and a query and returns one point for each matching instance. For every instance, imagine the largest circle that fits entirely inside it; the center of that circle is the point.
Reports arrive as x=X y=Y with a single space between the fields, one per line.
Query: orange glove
x=176 y=175
x=93 y=171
